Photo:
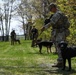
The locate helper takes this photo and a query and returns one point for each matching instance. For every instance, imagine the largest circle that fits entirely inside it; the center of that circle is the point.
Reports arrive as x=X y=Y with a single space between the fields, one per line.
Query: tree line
x=33 y=12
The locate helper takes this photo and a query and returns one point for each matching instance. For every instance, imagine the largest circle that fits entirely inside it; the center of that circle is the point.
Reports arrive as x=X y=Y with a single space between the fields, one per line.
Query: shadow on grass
x=41 y=54
x=60 y=72
x=34 y=70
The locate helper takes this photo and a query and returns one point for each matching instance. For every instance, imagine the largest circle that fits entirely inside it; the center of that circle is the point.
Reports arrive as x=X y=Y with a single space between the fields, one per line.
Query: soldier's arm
x=53 y=20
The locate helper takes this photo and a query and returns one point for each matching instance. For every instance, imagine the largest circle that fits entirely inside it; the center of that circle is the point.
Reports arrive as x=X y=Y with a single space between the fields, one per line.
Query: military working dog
x=17 y=41
x=67 y=53
x=45 y=43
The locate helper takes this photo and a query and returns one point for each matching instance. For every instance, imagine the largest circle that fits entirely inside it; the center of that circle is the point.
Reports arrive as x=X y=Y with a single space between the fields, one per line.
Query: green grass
x=25 y=60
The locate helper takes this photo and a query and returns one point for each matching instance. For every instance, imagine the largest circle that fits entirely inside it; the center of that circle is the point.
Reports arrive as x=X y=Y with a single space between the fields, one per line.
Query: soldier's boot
x=59 y=64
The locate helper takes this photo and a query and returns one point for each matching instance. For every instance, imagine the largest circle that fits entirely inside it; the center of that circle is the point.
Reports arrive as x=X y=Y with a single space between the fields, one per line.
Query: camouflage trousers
x=12 y=41
x=34 y=39
x=57 y=37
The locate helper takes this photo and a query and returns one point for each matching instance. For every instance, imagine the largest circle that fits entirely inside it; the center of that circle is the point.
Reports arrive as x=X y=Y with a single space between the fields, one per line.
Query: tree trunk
x=2 y=31
x=7 y=38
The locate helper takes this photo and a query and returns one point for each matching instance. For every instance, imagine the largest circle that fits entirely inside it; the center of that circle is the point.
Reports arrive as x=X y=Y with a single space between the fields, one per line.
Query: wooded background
x=34 y=12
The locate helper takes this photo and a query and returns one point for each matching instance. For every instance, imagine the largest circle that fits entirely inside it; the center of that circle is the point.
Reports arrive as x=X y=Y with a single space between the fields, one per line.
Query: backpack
x=65 y=21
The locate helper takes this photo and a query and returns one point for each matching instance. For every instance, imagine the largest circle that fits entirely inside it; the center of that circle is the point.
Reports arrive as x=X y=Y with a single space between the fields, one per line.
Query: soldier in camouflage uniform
x=34 y=32
x=13 y=37
x=59 y=32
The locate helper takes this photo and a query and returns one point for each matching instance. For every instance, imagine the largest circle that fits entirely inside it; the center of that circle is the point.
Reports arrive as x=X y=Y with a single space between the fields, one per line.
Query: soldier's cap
x=52 y=5
x=13 y=30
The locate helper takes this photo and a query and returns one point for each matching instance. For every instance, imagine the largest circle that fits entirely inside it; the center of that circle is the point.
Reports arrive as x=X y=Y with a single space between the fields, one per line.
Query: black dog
x=67 y=53
x=47 y=44
x=17 y=41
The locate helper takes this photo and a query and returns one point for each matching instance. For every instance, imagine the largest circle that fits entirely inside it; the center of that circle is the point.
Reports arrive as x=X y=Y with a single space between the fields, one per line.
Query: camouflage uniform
x=13 y=37
x=58 y=31
x=34 y=32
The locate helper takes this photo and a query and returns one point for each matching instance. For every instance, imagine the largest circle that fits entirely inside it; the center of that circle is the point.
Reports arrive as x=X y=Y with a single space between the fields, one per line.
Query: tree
x=23 y=12
x=2 y=28
x=8 y=10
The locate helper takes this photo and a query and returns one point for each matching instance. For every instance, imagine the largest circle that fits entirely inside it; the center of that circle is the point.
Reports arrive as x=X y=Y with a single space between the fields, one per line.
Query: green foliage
x=72 y=37
x=39 y=23
x=68 y=7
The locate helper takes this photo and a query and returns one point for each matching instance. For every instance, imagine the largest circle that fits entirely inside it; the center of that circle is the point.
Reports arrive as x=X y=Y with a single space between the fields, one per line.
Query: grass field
x=25 y=60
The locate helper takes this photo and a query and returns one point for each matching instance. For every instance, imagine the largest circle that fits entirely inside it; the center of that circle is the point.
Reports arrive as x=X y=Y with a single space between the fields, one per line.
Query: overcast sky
x=15 y=24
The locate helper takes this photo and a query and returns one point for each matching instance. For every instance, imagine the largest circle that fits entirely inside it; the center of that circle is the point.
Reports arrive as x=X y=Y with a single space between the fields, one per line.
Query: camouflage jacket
x=56 y=21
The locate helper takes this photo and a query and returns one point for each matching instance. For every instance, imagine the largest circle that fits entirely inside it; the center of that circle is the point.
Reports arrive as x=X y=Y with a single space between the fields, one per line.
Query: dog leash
x=39 y=34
